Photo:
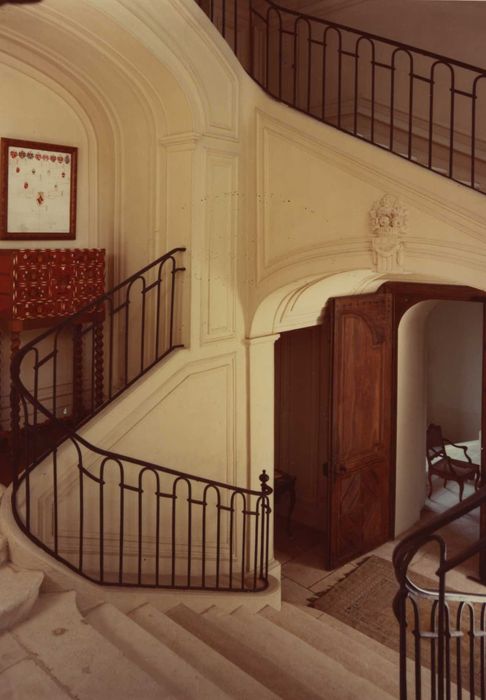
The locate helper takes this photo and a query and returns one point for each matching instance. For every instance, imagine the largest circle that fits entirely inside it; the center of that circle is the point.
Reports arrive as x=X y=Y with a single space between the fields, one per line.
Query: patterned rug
x=363 y=600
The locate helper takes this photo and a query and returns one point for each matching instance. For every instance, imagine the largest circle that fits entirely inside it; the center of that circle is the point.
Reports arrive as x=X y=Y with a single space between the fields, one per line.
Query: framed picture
x=37 y=190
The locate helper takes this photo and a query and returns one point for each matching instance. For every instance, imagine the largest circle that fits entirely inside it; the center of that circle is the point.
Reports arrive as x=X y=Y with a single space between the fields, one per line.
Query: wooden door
x=358 y=471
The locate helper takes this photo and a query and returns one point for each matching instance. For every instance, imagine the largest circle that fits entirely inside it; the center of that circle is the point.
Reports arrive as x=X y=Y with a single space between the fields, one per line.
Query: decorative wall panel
x=219 y=272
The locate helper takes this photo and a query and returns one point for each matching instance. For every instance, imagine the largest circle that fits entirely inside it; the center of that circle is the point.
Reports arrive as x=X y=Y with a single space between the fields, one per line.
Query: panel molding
x=218 y=297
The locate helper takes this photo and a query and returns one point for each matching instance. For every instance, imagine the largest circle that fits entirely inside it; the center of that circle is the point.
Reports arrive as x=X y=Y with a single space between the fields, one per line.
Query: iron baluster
x=99 y=496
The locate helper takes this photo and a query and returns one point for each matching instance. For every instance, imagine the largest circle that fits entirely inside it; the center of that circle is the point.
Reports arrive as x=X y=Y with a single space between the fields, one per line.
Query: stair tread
x=370 y=643
x=10 y=651
x=353 y=655
x=78 y=656
x=3 y=549
x=229 y=677
x=313 y=667
x=149 y=653
x=241 y=652
x=20 y=589
x=25 y=681
x=386 y=654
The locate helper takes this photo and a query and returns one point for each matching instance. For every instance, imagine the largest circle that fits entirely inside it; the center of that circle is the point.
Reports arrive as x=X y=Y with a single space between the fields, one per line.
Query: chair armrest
x=461 y=447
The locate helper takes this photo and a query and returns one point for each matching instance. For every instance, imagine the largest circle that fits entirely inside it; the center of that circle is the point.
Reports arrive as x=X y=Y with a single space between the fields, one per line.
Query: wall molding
x=443 y=208
x=219 y=276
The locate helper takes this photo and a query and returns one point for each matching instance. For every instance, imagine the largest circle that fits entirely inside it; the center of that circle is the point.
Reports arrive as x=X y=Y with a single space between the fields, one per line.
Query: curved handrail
x=377 y=37
x=162 y=537
x=403 y=109
x=441 y=622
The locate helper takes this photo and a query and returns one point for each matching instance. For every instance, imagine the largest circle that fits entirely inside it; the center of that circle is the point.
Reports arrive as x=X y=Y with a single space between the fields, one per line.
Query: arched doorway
x=357 y=373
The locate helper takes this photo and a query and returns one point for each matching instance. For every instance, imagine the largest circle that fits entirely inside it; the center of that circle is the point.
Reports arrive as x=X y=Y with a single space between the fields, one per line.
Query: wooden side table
x=285 y=483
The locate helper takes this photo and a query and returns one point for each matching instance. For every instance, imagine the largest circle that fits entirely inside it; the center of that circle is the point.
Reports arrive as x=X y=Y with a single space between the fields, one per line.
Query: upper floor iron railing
x=113 y=518
x=420 y=105
x=442 y=631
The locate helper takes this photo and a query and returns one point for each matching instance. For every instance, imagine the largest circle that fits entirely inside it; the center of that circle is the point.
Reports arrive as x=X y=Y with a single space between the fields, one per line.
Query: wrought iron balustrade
x=420 y=105
x=113 y=518
x=442 y=631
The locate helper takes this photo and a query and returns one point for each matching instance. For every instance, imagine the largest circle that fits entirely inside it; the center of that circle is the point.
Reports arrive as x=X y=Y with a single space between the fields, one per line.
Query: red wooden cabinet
x=39 y=287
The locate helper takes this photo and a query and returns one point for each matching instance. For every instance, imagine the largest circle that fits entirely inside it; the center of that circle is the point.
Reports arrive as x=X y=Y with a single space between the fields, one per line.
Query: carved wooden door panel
x=358 y=471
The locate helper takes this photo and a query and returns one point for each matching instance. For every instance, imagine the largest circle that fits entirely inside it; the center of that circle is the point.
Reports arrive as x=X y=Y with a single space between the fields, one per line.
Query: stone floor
x=302 y=559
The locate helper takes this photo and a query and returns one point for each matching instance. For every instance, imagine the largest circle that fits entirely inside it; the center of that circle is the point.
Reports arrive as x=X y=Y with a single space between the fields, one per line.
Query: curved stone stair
x=107 y=654
x=49 y=650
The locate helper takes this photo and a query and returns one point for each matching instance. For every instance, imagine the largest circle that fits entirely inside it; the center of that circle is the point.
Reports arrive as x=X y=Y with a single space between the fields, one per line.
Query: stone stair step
x=10 y=651
x=352 y=655
x=386 y=654
x=149 y=653
x=225 y=674
x=3 y=550
x=26 y=681
x=20 y=590
x=81 y=660
x=240 y=651
x=313 y=668
x=369 y=642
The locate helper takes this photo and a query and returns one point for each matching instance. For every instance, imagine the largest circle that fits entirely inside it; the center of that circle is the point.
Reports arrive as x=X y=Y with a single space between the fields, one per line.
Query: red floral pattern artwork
x=39 y=200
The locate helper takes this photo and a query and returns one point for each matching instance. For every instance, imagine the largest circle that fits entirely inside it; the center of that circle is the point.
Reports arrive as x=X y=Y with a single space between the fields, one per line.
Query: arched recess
x=130 y=107
x=139 y=115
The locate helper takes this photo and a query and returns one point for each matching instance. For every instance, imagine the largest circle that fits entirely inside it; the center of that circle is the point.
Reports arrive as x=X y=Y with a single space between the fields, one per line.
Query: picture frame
x=38 y=183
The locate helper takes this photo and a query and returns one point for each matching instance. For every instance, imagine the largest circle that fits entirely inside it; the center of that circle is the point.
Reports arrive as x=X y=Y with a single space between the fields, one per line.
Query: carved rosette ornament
x=388 y=221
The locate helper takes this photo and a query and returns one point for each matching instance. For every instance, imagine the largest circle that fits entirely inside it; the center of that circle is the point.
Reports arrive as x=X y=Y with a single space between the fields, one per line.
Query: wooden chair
x=441 y=464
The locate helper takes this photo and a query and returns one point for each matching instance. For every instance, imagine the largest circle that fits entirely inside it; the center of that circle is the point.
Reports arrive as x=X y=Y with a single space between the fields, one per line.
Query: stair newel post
x=264 y=535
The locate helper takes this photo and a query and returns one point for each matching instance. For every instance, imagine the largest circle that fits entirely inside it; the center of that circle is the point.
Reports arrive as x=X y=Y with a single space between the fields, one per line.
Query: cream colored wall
x=170 y=108
x=454 y=349
x=273 y=207
x=32 y=109
x=411 y=415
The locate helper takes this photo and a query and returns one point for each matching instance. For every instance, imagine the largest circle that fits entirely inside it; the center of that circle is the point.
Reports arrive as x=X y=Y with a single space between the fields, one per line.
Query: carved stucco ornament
x=388 y=221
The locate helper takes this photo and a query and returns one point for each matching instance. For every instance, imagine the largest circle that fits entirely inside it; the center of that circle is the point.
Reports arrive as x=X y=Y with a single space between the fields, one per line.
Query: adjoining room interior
x=439 y=380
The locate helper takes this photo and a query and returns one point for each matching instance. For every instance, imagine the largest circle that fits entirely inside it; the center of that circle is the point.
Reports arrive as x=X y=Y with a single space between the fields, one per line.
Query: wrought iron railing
x=442 y=631
x=427 y=108
x=112 y=518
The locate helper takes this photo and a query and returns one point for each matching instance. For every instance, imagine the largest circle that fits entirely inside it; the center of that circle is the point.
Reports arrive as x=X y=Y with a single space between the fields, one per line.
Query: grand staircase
x=102 y=652
x=51 y=649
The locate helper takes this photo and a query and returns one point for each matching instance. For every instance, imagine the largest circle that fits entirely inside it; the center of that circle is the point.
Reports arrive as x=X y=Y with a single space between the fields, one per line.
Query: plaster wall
x=454 y=368
x=411 y=415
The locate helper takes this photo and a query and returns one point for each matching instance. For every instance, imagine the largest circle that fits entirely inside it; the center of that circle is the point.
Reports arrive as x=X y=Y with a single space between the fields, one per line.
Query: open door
x=358 y=470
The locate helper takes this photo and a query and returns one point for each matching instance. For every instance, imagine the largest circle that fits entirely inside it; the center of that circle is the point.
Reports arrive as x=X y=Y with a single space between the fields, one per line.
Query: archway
x=416 y=292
